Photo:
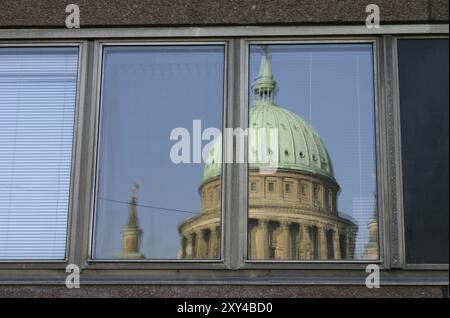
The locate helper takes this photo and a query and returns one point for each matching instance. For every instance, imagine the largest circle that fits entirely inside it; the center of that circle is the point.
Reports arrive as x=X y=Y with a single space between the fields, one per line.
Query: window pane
x=423 y=72
x=318 y=100
x=154 y=99
x=37 y=106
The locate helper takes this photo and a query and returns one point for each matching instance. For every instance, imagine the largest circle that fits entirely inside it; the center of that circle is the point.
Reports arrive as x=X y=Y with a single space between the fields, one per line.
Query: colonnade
x=201 y=244
x=269 y=239
x=293 y=240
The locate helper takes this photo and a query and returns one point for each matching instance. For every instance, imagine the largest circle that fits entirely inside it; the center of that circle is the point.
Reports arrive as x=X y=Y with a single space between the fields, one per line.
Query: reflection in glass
x=147 y=92
x=423 y=81
x=319 y=204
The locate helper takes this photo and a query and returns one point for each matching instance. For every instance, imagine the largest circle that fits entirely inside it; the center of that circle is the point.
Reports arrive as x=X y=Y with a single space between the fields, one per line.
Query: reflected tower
x=131 y=233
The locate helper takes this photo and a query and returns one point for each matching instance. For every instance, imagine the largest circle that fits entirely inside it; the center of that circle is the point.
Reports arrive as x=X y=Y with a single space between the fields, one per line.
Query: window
x=326 y=198
x=157 y=101
x=316 y=193
x=303 y=189
x=139 y=217
x=287 y=187
x=37 y=107
x=320 y=100
x=331 y=241
x=423 y=81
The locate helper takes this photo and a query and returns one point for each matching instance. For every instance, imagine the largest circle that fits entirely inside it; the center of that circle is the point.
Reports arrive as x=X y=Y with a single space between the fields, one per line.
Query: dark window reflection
x=423 y=72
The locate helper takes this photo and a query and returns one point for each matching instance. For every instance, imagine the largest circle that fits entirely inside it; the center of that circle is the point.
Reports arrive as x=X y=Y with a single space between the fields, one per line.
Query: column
x=181 y=254
x=336 y=244
x=261 y=250
x=190 y=246
x=301 y=243
x=202 y=245
x=307 y=242
x=251 y=240
x=213 y=243
x=322 y=244
x=284 y=245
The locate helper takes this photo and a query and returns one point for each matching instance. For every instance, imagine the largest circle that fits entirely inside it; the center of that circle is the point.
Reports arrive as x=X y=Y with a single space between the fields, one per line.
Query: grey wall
x=224 y=291
x=51 y=13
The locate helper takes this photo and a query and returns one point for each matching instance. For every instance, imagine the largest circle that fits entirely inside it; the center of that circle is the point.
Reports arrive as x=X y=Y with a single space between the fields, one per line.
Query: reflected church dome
x=292 y=212
x=299 y=146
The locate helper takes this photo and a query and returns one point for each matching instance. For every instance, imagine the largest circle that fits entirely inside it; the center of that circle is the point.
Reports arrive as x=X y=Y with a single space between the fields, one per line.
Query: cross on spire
x=135 y=189
x=265 y=49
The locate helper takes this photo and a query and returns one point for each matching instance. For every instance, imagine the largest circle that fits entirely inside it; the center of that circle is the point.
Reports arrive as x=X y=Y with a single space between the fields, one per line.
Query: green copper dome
x=299 y=146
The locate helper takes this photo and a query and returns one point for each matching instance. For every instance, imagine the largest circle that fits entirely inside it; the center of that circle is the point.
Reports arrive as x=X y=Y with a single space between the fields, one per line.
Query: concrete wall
x=224 y=291
x=113 y=13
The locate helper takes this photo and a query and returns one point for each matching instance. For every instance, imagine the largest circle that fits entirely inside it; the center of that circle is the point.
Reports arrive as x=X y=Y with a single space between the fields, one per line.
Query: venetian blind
x=37 y=107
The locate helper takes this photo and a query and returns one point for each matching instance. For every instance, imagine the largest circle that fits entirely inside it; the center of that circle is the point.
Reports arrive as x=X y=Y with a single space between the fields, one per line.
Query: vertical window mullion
x=393 y=156
x=235 y=183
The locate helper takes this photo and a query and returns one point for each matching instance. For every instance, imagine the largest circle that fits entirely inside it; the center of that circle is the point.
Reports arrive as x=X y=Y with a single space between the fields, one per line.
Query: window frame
x=148 y=263
x=401 y=219
x=378 y=114
x=205 y=273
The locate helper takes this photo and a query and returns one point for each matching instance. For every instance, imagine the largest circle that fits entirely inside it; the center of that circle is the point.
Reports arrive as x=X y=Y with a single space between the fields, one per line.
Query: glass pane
x=37 y=105
x=423 y=72
x=157 y=105
x=312 y=153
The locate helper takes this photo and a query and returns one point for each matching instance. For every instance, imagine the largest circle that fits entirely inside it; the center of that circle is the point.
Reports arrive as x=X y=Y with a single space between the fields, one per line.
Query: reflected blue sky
x=147 y=92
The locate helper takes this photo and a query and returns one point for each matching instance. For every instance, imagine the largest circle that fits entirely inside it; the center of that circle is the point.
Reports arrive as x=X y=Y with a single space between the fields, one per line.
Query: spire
x=132 y=219
x=264 y=85
x=131 y=233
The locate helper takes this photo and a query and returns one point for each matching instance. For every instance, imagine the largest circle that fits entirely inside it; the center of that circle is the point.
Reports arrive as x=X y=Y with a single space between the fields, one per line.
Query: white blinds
x=37 y=106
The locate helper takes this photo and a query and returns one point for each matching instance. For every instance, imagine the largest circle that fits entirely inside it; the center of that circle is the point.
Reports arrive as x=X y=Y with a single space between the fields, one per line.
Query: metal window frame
x=388 y=167
x=89 y=261
x=75 y=156
x=378 y=114
x=401 y=219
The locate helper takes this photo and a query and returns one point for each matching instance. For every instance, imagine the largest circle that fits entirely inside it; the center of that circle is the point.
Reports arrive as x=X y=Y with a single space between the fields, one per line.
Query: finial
x=265 y=49
x=135 y=188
